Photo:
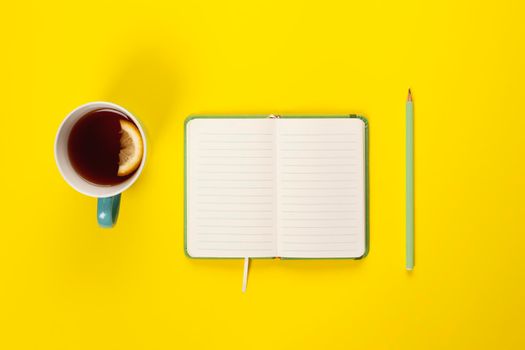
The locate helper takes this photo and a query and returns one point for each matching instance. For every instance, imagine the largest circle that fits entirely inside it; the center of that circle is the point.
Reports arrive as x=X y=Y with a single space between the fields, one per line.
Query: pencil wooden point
x=409 y=98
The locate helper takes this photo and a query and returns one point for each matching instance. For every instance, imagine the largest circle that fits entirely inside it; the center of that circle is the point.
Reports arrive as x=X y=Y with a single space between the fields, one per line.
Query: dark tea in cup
x=105 y=147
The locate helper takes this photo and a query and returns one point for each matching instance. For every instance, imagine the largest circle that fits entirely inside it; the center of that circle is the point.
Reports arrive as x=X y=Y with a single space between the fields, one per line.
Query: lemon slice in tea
x=131 y=148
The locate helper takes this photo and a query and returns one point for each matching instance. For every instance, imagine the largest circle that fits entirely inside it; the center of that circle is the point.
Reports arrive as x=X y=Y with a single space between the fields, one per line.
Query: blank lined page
x=321 y=187
x=230 y=188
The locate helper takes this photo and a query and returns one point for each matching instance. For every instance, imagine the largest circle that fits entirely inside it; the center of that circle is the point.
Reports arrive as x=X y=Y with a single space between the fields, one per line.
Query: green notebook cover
x=366 y=160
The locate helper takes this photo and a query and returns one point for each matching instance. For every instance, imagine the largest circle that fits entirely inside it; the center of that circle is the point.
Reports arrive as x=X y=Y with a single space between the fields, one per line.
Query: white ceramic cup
x=108 y=196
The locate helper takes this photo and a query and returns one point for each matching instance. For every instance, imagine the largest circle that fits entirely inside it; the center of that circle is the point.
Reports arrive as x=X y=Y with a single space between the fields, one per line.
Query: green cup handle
x=107 y=211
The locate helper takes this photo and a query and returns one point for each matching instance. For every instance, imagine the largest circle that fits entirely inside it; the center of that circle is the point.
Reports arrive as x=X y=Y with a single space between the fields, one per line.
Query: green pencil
x=409 y=182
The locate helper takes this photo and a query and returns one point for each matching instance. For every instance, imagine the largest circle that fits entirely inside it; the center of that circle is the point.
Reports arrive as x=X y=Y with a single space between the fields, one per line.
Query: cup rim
x=112 y=190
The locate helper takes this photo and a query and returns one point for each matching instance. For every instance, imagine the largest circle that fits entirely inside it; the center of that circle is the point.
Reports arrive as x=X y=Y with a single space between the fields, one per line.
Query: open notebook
x=276 y=187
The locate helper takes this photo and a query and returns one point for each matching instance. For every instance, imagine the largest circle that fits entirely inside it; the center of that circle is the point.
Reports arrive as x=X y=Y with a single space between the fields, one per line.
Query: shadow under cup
x=108 y=195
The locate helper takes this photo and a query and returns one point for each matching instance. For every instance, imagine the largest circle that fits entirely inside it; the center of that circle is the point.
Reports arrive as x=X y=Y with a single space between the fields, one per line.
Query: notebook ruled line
x=315 y=157
x=318 y=173
x=315 y=250
x=309 y=142
x=317 y=219
x=235 y=149
x=317 y=195
x=228 y=203
x=316 y=180
x=236 y=226
x=235 y=164
x=232 y=180
x=234 y=234
x=234 y=172
x=226 y=249
x=234 y=242
x=235 y=195
x=317 y=203
x=318 y=227
x=318 y=149
x=322 y=243
x=318 y=134
x=236 y=134
x=317 y=165
x=319 y=188
x=238 y=211
x=318 y=234
x=232 y=219
x=316 y=211
x=233 y=188
x=235 y=142
x=241 y=156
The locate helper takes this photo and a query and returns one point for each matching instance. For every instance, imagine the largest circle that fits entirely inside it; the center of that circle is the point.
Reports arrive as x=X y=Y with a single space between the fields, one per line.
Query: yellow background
x=66 y=284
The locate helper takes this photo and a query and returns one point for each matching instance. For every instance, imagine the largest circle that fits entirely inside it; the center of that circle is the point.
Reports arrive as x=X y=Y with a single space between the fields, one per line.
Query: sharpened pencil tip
x=409 y=98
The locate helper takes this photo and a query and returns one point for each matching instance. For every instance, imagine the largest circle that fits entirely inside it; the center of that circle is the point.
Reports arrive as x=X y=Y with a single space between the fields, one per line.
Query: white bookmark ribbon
x=245 y=274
